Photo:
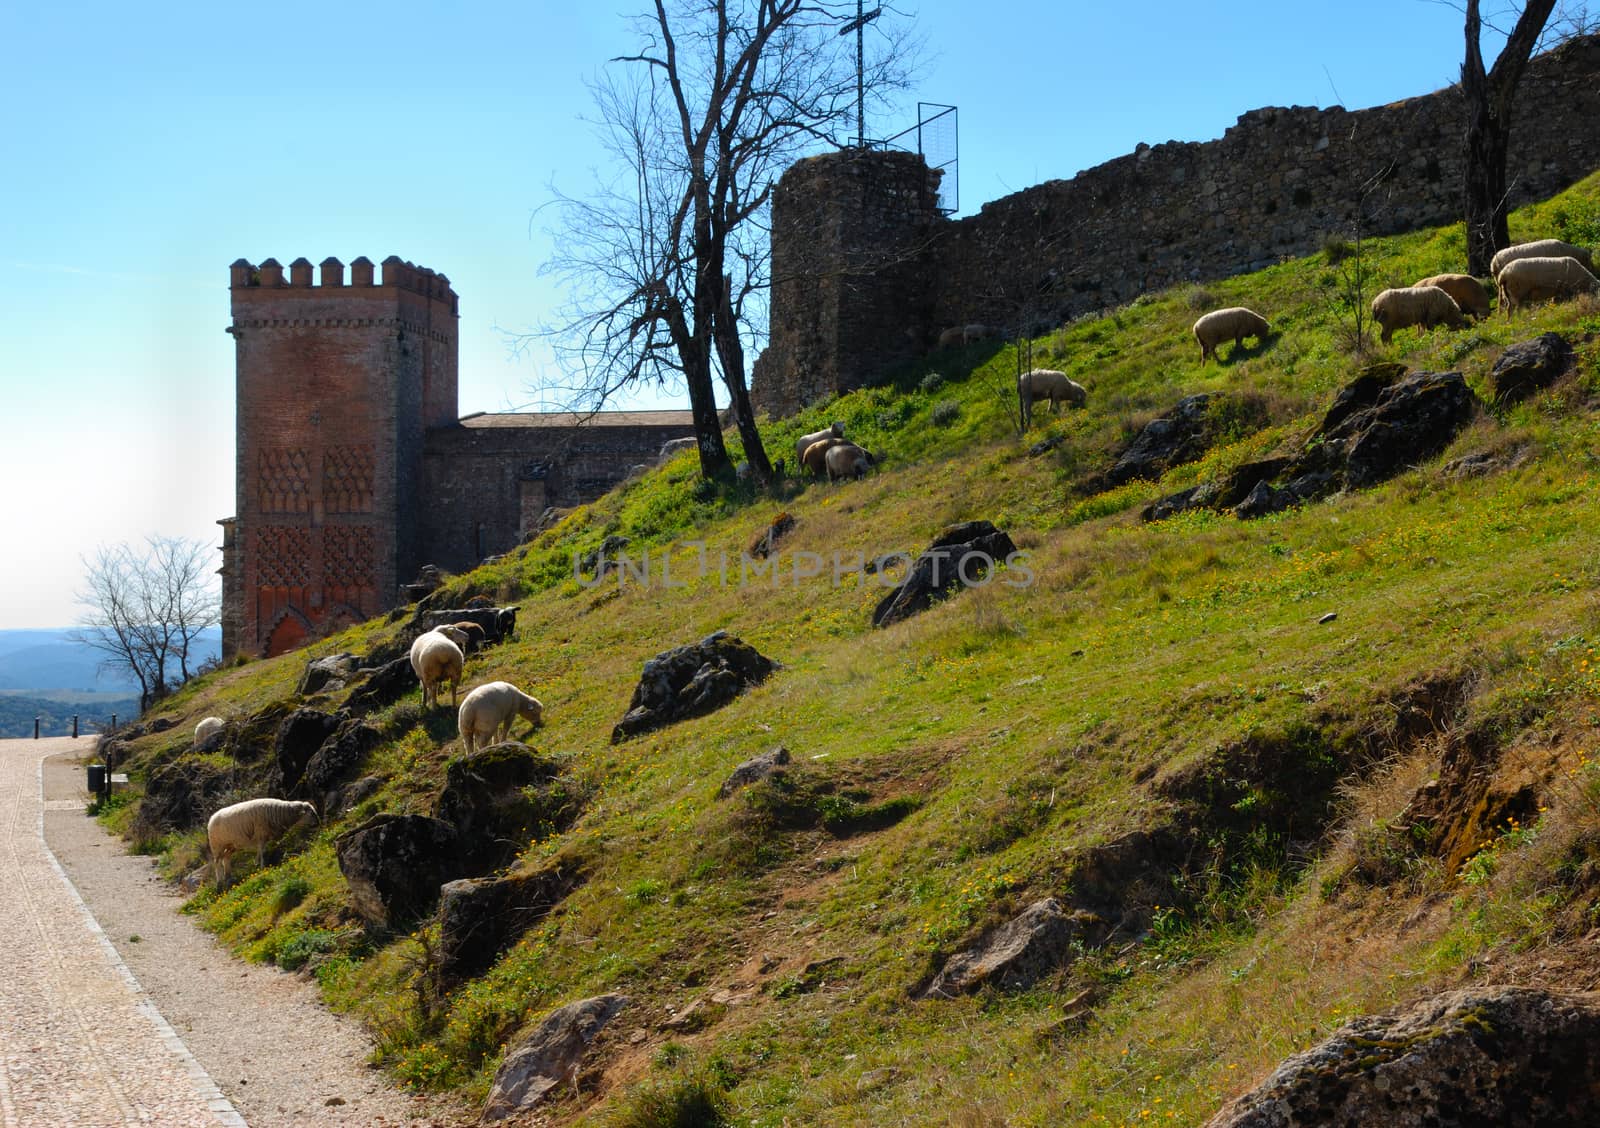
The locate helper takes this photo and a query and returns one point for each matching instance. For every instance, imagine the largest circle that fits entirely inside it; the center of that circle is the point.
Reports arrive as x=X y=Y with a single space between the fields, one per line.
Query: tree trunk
x=1487 y=229
x=730 y=351
x=1488 y=99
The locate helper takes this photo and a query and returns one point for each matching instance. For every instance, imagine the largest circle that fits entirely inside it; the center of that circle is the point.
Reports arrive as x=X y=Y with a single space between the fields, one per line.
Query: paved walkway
x=80 y=1042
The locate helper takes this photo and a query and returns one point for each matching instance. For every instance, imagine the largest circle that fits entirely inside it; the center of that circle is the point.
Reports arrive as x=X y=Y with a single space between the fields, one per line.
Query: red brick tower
x=337 y=384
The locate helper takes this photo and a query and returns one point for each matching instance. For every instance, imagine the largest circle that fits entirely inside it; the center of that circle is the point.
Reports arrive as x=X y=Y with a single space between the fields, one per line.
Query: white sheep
x=835 y=431
x=252 y=823
x=489 y=711
x=1465 y=289
x=815 y=456
x=846 y=460
x=1235 y=322
x=1047 y=383
x=1404 y=306
x=206 y=730
x=436 y=657
x=1527 y=280
x=1539 y=248
x=676 y=446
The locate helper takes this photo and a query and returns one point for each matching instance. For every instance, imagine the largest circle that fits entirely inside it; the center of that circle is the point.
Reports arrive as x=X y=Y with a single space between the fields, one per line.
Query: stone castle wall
x=489 y=478
x=1276 y=185
x=353 y=470
x=336 y=385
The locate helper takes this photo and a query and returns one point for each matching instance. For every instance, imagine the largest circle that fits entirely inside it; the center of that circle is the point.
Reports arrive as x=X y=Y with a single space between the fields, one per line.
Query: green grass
x=953 y=769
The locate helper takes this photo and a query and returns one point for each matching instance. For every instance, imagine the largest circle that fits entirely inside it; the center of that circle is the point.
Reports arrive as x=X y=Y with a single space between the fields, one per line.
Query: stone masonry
x=1276 y=185
x=353 y=469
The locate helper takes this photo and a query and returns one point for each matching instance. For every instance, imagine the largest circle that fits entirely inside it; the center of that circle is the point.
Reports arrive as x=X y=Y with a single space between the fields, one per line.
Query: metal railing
x=937 y=138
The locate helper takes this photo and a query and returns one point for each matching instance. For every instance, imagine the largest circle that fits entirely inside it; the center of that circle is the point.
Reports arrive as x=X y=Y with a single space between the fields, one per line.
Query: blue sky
x=145 y=147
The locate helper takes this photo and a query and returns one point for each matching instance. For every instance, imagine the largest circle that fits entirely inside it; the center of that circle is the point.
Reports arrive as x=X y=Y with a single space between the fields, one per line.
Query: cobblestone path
x=80 y=1043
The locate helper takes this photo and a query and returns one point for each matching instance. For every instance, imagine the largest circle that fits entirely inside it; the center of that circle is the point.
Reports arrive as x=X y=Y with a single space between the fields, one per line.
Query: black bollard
x=113 y=722
x=74 y=726
x=36 y=728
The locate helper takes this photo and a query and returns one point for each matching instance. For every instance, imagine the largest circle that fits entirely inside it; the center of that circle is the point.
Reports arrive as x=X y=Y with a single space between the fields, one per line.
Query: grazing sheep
x=1220 y=324
x=489 y=711
x=1539 y=248
x=1465 y=289
x=206 y=730
x=255 y=822
x=1527 y=280
x=1047 y=383
x=472 y=637
x=952 y=336
x=970 y=334
x=846 y=460
x=815 y=458
x=836 y=431
x=436 y=657
x=674 y=446
x=1404 y=306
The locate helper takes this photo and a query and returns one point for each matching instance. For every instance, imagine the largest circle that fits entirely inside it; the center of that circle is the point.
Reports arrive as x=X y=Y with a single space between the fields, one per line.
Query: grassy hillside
x=1153 y=721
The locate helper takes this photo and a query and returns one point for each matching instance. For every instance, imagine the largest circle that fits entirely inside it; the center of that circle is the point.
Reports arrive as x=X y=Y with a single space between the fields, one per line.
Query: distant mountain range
x=46 y=662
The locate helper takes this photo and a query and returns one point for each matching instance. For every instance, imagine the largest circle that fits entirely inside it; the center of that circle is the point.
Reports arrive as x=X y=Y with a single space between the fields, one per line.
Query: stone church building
x=354 y=469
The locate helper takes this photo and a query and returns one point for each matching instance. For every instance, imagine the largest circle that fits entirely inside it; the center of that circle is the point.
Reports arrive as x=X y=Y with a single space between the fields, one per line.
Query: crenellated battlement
x=397 y=273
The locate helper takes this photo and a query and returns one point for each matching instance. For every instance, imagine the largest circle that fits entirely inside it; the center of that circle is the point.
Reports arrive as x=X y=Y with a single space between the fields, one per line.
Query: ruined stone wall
x=850 y=231
x=1275 y=186
x=487 y=479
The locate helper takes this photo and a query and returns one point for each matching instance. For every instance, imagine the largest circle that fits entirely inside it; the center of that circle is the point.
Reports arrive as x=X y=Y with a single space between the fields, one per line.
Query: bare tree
x=1488 y=96
x=668 y=263
x=146 y=611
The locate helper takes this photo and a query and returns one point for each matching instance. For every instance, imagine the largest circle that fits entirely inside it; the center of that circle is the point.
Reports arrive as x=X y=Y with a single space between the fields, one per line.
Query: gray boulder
x=481 y=919
x=1016 y=955
x=691 y=681
x=1530 y=366
x=327 y=675
x=299 y=736
x=960 y=555
x=394 y=866
x=1508 y=1056
x=754 y=770
x=385 y=685
x=1179 y=436
x=499 y=799
x=548 y=1055
x=337 y=759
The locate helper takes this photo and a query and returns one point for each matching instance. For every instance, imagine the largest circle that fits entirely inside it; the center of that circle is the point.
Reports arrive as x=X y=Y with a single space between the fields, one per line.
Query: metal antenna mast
x=856 y=25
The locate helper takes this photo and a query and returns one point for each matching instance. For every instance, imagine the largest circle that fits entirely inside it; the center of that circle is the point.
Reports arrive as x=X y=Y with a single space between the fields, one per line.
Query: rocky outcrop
x=1530 y=366
x=548 y=1055
x=690 y=681
x=754 y=770
x=327 y=675
x=1382 y=423
x=1510 y=1056
x=384 y=686
x=480 y=919
x=180 y=796
x=394 y=866
x=1179 y=436
x=500 y=799
x=338 y=758
x=299 y=736
x=1016 y=955
x=960 y=556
